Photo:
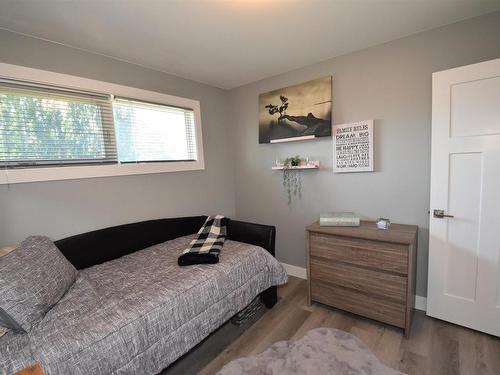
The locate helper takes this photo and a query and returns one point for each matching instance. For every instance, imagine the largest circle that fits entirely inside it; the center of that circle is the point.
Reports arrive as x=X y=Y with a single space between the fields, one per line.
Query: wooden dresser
x=364 y=270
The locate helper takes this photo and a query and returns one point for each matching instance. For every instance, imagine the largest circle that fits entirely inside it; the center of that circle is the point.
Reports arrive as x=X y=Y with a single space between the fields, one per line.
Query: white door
x=464 y=249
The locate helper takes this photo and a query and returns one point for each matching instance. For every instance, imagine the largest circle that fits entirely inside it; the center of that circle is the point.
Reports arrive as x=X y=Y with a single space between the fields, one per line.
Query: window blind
x=147 y=132
x=43 y=125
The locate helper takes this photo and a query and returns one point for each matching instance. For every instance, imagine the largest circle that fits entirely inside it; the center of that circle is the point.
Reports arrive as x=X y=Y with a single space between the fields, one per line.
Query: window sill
x=15 y=176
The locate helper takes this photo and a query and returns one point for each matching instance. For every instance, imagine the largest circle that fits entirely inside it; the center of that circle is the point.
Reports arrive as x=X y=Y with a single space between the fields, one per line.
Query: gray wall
x=391 y=84
x=62 y=208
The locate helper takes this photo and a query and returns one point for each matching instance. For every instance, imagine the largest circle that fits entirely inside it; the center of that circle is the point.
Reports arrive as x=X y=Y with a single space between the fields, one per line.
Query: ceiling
x=228 y=43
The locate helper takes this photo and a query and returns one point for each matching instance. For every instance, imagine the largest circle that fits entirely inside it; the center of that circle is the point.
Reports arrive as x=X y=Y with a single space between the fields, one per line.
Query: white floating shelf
x=310 y=166
x=293 y=139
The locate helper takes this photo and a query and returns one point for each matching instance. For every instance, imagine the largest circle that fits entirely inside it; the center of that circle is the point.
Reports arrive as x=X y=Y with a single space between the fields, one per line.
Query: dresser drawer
x=358 y=303
x=381 y=284
x=377 y=255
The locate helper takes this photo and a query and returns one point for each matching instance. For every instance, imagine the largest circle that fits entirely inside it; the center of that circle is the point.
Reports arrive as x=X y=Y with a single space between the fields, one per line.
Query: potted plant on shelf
x=291 y=178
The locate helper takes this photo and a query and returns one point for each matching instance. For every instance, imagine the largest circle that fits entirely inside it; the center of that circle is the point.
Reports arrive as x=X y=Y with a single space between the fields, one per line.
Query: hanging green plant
x=292 y=181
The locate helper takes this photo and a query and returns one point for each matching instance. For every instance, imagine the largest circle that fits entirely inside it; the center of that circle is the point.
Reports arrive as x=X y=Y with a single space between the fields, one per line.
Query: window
x=41 y=126
x=150 y=132
x=91 y=129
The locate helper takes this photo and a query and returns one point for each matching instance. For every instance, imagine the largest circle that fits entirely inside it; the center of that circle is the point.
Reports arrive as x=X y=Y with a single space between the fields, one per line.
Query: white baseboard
x=300 y=272
x=421 y=303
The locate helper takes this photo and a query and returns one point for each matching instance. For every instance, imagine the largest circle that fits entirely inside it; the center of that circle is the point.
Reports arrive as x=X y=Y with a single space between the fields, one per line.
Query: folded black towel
x=205 y=248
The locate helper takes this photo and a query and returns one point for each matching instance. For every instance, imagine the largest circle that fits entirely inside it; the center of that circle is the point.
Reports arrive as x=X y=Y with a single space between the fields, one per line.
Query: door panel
x=464 y=248
x=475 y=108
x=489 y=263
x=464 y=197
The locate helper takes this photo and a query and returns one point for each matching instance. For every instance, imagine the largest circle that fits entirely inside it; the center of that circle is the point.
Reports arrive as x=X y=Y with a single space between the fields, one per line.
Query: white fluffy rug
x=320 y=351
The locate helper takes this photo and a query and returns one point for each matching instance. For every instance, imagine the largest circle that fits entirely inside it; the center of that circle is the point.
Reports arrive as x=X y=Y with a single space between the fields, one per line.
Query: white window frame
x=21 y=175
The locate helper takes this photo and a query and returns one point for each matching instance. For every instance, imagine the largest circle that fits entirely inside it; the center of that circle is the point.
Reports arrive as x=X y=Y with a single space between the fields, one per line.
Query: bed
x=139 y=311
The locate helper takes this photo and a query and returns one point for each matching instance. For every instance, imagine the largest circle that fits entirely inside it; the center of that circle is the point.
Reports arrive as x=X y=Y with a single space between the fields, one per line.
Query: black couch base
x=269 y=297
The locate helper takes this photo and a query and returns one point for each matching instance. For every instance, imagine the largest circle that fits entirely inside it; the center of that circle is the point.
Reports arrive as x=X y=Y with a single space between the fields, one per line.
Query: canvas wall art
x=296 y=111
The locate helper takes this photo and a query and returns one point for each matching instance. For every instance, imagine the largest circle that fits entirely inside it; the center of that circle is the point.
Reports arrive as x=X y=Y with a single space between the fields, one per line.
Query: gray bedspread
x=139 y=313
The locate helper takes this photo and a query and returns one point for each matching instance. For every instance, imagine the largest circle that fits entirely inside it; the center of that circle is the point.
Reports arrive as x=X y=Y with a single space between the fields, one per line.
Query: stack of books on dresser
x=339 y=219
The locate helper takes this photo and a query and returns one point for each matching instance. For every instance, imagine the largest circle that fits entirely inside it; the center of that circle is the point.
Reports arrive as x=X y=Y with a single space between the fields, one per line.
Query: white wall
x=62 y=208
x=391 y=84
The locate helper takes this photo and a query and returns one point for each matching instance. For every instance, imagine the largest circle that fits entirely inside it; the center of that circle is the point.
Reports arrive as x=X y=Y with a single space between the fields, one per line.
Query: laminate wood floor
x=435 y=347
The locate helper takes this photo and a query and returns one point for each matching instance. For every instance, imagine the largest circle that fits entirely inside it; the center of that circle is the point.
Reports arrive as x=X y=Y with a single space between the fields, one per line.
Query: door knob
x=440 y=214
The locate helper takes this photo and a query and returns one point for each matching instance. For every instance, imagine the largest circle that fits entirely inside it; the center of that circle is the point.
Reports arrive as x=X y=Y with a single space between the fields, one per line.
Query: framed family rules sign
x=353 y=147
